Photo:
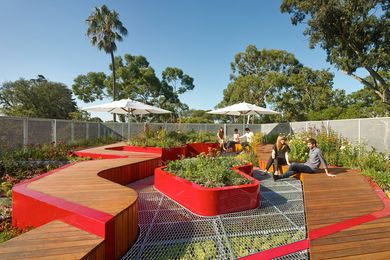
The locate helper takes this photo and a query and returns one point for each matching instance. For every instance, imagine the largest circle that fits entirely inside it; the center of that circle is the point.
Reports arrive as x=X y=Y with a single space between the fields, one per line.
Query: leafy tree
x=82 y=115
x=260 y=62
x=299 y=93
x=104 y=29
x=364 y=104
x=196 y=116
x=277 y=78
x=354 y=33
x=137 y=80
x=248 y=88
x=174 y=83
x=179 y=81
x=37 y=98
x=90 y=87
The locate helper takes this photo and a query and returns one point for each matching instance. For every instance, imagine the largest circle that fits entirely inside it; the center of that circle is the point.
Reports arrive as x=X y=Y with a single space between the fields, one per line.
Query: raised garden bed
x=210 y=201
x=173 y=153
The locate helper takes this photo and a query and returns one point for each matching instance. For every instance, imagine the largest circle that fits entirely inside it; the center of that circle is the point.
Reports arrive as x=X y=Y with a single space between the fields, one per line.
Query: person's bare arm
x=329 y=174
x=287 y=161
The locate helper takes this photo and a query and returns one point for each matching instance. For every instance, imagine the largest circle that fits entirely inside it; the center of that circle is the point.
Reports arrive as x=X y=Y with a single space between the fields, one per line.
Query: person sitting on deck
x=221 y=139
x=236 y=140
x=279 y=154
x=249 y=138
x=312 y=164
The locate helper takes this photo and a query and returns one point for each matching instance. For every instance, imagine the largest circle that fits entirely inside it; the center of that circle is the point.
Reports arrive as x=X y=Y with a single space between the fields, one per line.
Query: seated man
x=312 y=164
x=249 y=138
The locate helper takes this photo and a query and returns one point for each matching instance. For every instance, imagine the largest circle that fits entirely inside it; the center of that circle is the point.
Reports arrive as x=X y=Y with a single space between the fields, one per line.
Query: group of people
x=279 y=156
x=228 y=146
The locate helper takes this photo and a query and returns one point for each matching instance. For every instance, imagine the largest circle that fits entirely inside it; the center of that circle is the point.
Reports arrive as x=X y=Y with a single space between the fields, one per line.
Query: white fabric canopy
x=243 y=109
x=129 y=107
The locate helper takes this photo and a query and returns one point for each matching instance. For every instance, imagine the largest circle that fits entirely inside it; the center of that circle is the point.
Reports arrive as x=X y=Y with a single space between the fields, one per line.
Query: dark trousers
x=295 y=168
x=277 y=161
x=245 y=144
x=230 y=144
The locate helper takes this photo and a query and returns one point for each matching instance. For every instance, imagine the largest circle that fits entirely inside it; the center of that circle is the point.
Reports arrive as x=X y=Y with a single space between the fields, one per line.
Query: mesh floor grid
x=170 y=231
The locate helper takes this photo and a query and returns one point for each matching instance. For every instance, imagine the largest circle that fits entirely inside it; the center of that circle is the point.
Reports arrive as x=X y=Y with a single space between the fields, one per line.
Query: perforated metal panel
x=39 y=131
x=11 y=132
x=64 y=131
x=14 y=131
x=169 y=231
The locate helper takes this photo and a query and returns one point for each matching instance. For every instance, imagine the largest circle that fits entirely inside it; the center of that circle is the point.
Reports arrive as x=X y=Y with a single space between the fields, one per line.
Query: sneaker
x=275 y=177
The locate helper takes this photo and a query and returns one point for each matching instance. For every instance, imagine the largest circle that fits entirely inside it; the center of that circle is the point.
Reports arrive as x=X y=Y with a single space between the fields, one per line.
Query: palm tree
x=104 y=29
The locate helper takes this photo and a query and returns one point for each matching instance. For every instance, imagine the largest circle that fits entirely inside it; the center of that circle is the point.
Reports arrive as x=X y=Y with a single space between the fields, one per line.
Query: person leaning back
x=310 y=166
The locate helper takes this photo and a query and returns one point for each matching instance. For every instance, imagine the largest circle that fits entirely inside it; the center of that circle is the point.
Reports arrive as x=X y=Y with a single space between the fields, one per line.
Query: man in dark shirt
x=313 y=163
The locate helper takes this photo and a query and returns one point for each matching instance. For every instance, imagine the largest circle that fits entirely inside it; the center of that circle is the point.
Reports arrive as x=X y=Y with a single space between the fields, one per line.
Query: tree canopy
x=277 y=78
x=137 y=80
x=37 y=98
x=354 y=33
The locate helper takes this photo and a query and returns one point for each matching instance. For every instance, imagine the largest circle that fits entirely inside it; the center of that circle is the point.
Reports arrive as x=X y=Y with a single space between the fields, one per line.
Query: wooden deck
x=89 y=195
x=334 y=204
x=55 y=240
x=343 y=214
x=333 y=200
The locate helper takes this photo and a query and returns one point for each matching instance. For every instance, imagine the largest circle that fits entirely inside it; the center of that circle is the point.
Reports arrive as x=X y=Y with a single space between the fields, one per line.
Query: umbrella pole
x=243 y=124
x=128 y=126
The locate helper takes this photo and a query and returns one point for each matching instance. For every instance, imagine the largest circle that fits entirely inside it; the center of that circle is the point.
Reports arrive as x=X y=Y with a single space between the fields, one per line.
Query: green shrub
x=162 y=138
x=339 y=151
x=25 y=163
x=298 y=148
x=249 y=157
x=208 y=171
x=270 y=138
x=7 y=231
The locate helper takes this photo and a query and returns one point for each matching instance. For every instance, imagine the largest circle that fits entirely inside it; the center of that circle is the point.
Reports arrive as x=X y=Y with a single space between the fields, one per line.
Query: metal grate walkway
x=169 y=231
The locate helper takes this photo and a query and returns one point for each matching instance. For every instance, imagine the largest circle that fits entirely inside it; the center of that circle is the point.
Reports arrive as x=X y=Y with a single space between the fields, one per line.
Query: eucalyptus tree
x=37 y=98
x=137 y=80
x=354 y=33
x=250 y=71
x=277 y=78
x=104 y=29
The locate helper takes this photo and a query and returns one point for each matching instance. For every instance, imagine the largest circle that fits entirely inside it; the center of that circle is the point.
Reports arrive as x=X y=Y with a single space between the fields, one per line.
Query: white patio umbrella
x=129 y=107
x=243 y=109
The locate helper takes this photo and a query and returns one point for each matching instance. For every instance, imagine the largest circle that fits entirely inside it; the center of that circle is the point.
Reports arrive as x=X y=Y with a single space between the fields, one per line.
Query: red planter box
x=170 y=154
x=209 y=201
x=167 y=154
x=196 y=148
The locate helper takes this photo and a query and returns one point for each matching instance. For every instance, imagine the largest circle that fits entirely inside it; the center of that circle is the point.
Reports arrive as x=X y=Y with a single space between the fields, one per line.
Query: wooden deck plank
x=87 y=188
x=55 y=240
x=332 y=200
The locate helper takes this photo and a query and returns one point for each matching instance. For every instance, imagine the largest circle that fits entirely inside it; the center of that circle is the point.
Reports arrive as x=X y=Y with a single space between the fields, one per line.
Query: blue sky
x=200 y=37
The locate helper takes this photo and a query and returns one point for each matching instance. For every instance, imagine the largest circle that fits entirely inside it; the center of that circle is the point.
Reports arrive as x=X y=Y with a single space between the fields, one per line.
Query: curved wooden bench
x=89 y=196
x=55 y=240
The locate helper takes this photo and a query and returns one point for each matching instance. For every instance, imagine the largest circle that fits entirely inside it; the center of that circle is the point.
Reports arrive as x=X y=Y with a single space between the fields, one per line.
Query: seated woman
x=279 y=154
x=221 y=139
x=236 y=140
